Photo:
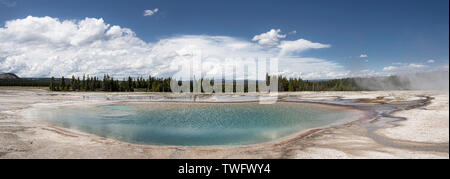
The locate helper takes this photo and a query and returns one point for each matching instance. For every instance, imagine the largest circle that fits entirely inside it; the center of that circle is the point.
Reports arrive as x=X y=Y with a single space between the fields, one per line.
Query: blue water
x=195 y=124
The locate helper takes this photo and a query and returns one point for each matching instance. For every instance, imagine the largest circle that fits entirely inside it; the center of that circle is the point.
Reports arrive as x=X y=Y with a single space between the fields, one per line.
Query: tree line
x=153 y=84
x=109 y=84
x=24 y=82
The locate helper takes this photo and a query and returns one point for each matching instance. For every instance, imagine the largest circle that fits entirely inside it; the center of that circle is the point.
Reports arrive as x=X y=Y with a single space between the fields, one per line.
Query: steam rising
x=437 y=80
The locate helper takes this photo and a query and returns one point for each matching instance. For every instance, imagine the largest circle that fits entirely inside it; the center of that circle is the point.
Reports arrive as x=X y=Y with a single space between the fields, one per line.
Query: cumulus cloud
x=430 y=61
x=363 y=56
x=273 y=38
x=404 y=67
x=300 y=45
x=46 y=46
x=390 y=68
x=365 y=73
x=149 y=12
x=270 y=38
x=311 y=68
x=413 y=65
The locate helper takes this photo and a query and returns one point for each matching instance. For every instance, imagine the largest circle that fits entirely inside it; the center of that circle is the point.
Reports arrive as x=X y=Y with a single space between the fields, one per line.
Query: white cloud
x=292 y=32
x=311 y=68
x=363 y=56
x=404 y=67
x=45 y=46
x=413 y=65
x=430 y=61
x=270 y=38
x=150 y=12
x=286 y=47
x=366 y=73
x=390 y=68
x=300 y=45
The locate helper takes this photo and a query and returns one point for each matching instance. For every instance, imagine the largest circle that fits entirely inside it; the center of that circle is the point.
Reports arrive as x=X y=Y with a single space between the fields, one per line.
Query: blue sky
x=388 y=32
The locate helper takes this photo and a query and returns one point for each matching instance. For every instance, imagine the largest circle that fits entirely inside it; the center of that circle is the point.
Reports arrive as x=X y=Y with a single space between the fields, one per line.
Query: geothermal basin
x=195 y=124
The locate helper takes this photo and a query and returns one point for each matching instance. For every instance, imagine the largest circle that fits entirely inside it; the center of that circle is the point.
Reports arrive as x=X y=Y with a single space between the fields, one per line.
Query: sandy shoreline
x=423 y=135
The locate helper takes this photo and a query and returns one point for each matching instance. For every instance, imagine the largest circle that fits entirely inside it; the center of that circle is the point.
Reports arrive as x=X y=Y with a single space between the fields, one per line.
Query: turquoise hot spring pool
x=195 y=124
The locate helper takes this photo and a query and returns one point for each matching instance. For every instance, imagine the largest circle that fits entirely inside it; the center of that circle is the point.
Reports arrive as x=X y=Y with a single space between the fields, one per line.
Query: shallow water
x=195 y=123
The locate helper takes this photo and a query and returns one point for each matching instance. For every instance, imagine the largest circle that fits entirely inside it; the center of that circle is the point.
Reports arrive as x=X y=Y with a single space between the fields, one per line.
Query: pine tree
x=52 y=84
x=291 y=85
x=63 y=84
x=88 y=81
x=78 y=84
x=130 y=84
x=83 y=83
x=72 y=83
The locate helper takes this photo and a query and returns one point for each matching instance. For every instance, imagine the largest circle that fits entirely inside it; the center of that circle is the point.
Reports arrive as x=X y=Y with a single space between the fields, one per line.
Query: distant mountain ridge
x=9 y=76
